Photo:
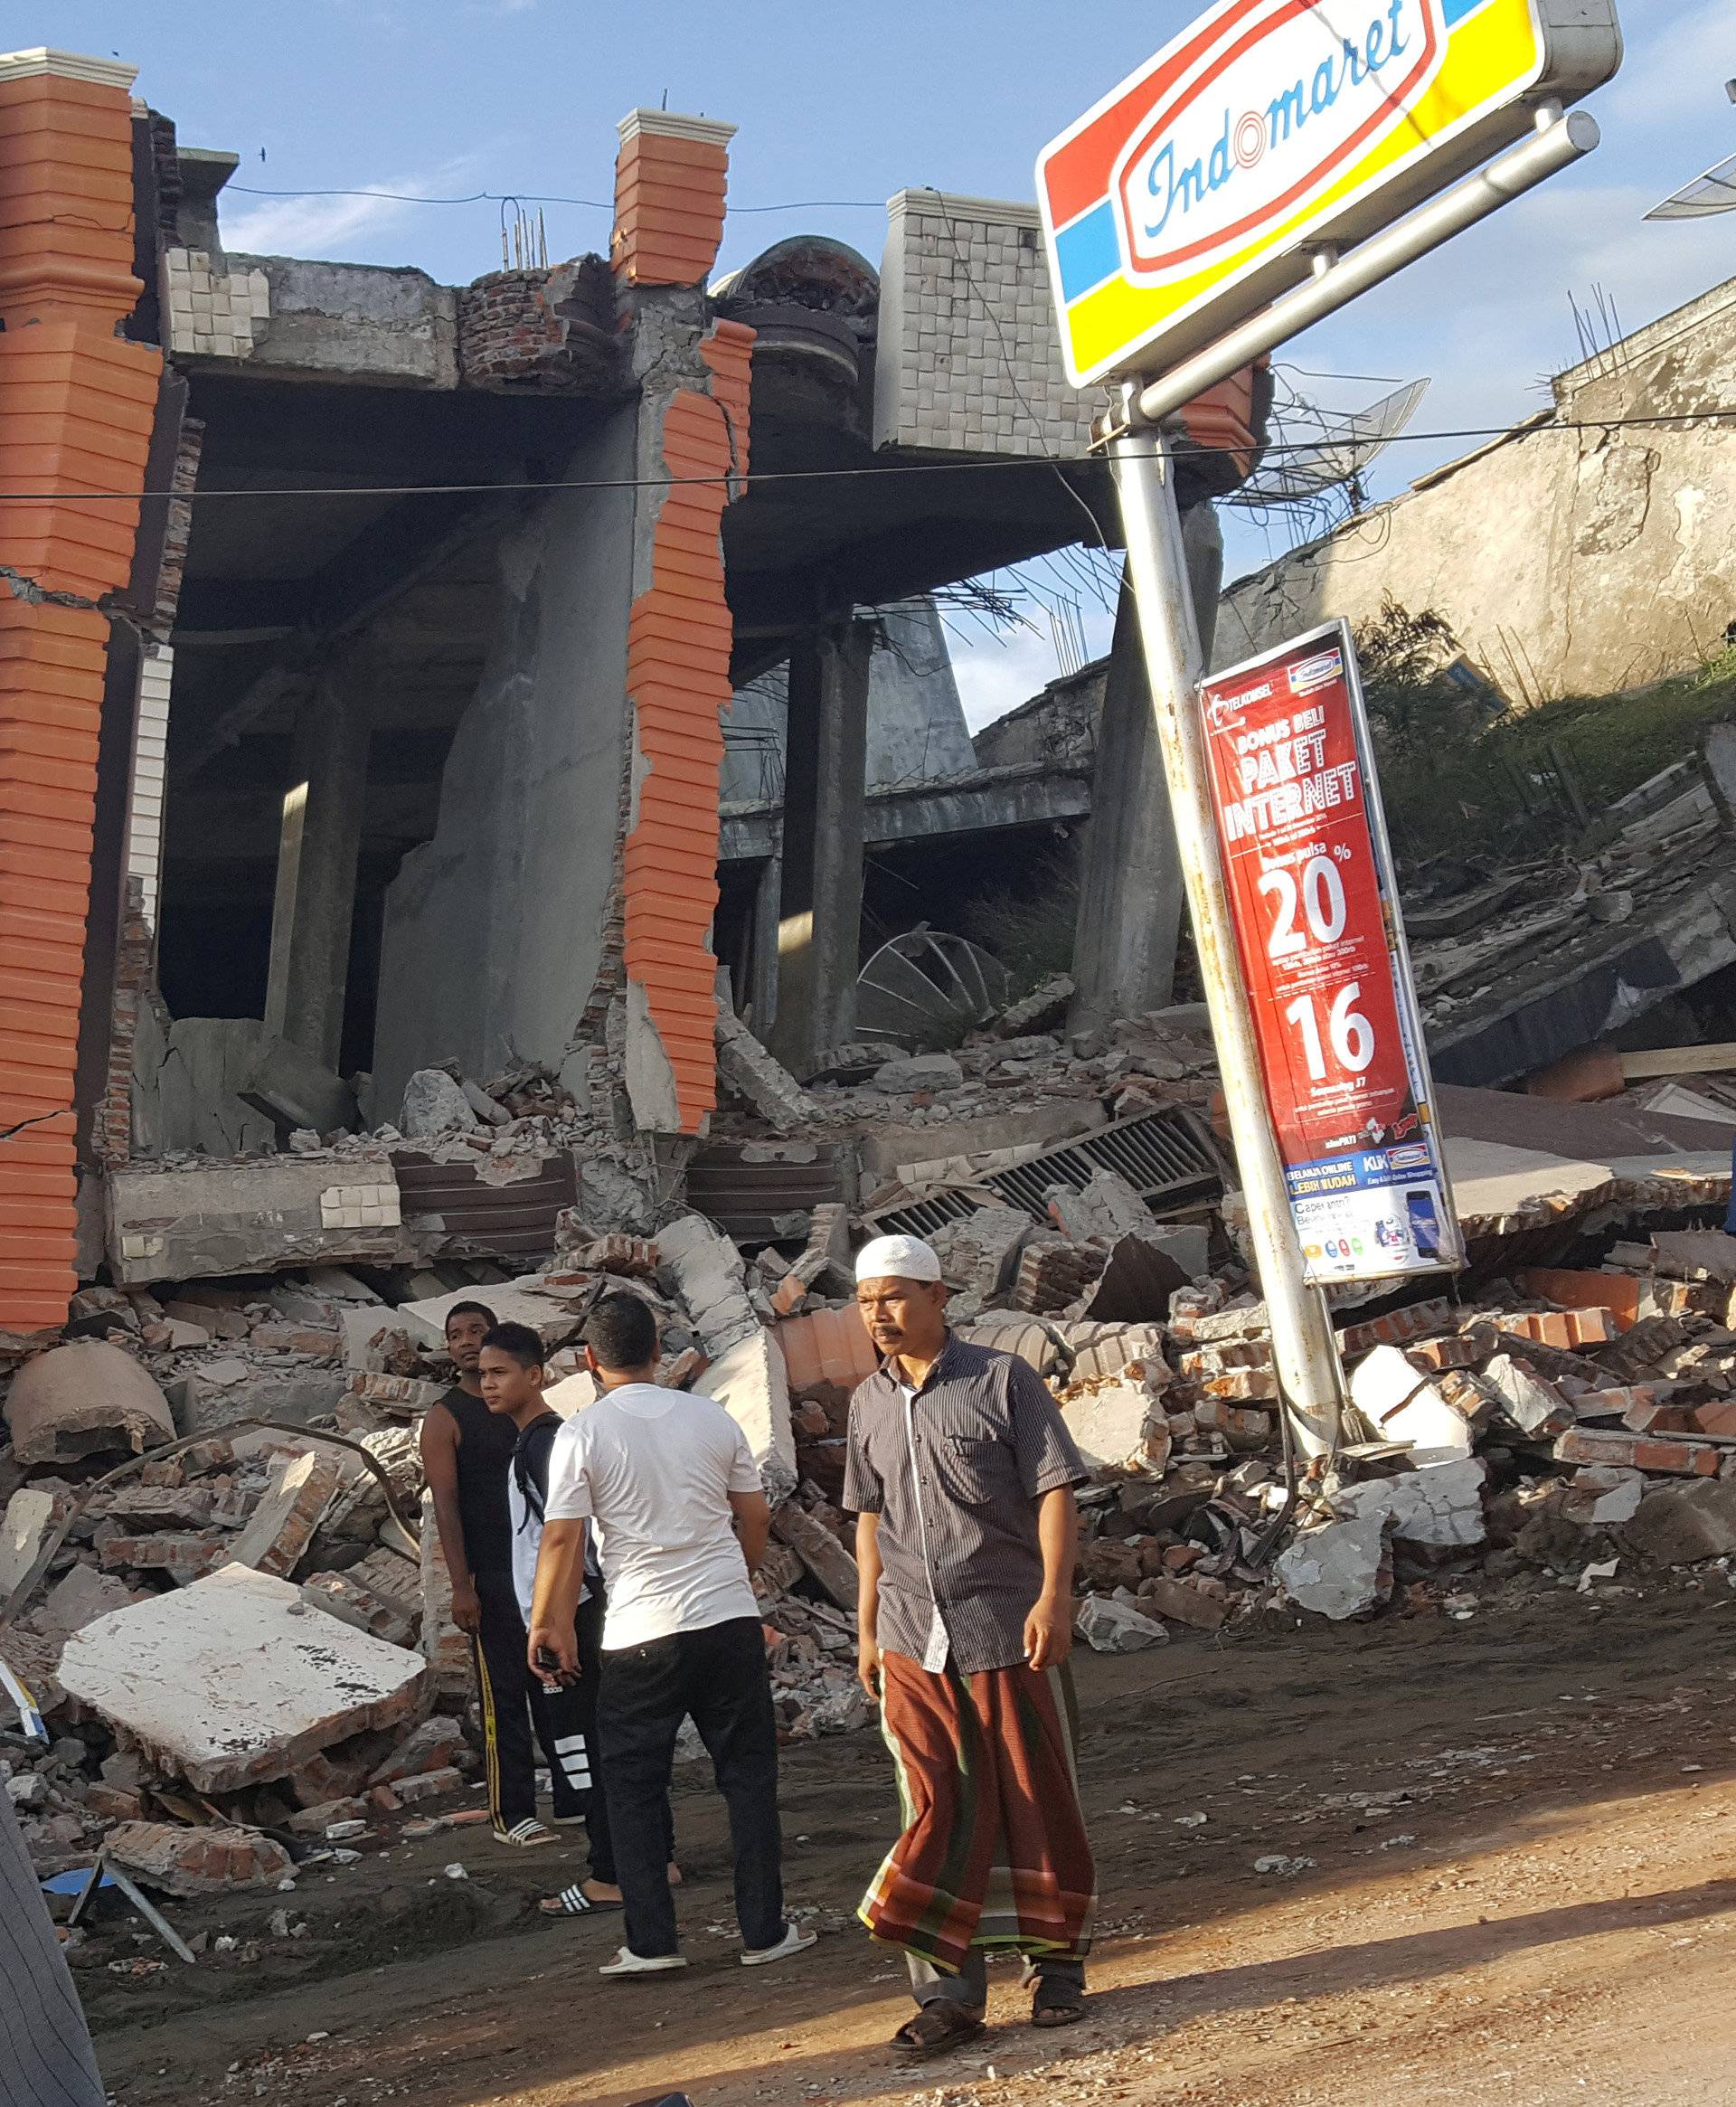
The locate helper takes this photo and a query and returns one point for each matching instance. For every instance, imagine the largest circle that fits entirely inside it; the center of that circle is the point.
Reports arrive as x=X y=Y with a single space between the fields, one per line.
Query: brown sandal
x=935 y=2029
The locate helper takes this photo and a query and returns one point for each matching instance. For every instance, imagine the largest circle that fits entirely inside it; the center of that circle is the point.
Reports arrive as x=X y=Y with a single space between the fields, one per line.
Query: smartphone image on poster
x=1425 y=1223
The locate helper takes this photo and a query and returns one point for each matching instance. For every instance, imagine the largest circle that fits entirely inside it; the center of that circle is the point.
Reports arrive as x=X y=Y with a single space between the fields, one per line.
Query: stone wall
x=1568 y=557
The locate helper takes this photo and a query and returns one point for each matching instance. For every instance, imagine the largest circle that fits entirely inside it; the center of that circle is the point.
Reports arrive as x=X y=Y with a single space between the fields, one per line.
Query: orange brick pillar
x=693 y=451
x=76 y=407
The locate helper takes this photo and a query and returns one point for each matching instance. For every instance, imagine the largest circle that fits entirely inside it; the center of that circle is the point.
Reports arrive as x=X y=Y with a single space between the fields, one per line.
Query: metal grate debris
x=1168 y=1157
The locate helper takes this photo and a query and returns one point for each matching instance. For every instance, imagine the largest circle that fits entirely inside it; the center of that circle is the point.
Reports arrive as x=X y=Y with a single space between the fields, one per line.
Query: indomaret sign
x=1311 y=889
x=1194 y=193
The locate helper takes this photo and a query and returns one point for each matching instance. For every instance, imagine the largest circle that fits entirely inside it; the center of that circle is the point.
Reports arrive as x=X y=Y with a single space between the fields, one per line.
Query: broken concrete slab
x=218 y=1391
x=341 y=1596
x=25 y=1531
x=1402 y=1403
x=1441 y=1504
x=745 y=1068
x=707 y=1272
x=982 y=1252
x=1109 y=1625
x=1343 y=1570
x=1600 y=1497
x=750 y=1382
x=1118 y=1425
x=78 y=1598
x=515 y=1301
x=1105 y=1207
x=1531 y=1401
x=434 y=1104
x=911 y=1072
x=282 y=1525
x=209 y=1222
x=234 y=1681
x=828 y=1561
x=1681 y=1525
x=86 y=1398
x=193 y=1862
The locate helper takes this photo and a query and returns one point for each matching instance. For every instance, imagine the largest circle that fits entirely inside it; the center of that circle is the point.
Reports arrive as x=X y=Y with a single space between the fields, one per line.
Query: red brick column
x=76 y=406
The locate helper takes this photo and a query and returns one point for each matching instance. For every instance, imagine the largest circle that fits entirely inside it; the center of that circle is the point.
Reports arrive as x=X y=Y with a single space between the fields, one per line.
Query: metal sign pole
x=1303 y=1345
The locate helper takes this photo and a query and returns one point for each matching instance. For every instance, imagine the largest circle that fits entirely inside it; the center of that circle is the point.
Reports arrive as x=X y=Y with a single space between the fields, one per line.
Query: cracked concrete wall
x=1567 y=561
x=495 y=929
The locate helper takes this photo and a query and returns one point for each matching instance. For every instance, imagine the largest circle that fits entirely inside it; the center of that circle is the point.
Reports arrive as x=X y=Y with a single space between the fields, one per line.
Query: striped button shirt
x=960 y=1475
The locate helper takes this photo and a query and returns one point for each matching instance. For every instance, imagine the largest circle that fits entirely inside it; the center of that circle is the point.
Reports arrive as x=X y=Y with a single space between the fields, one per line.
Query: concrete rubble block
x=294 y=1505
x=819 y=1551
x=391 y=1574
x=1441 y=1504
x=294 y=1089
x=910 y=1072
x=1236 y=1320
x=347 y=1600
x=750 y=1072
x=1105 y=1207
x=86 y=1398
x=1696 y=1254
x=519 y=1301
x=234 y=1681
x=209 y=1222
x=707 y=1272
x=1201 y=1603
x=749 y=1381
x=434 y=1104
x=403 y=1396
x=194 y=1862
x=78 y=1598
x=1342 y=1570
x=1243 y=1426
x=1663 y=1454
x=1045 y=1005
x=314 y=1822
x=1109 y=1625
x=1052 y=1276
x=182 y=1557
x=983 y=1250
x=1601 y=1499
x=430 y=1745
x=1402 y=1403
x=220 y=1391
x=1118 y=1425
x=1529 y=1400
x=445 y=1649
x=25 y=1531
x=1681 y=1525
x=1101 y=1350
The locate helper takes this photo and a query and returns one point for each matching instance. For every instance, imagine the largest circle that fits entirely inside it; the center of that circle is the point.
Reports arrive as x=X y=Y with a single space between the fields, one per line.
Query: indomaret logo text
x=1286 y=92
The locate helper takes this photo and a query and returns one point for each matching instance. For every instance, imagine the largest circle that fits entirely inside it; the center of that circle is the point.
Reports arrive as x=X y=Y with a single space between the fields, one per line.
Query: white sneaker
x=627 y=1962
x=794 y=1940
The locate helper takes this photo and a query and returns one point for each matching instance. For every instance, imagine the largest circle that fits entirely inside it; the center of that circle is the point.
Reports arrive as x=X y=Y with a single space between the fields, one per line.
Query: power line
x=1045 y=463
x=537 y=197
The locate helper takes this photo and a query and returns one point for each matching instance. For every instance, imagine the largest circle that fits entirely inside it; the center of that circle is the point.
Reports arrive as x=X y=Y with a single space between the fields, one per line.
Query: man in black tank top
x=468 y=1454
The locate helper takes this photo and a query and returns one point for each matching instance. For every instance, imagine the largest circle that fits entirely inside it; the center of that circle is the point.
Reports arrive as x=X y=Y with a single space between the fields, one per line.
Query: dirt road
x=1510 y=1882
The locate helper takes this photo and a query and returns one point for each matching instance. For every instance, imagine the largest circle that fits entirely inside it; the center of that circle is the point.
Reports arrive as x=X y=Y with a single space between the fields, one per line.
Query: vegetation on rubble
x=1456 y=780
x=1030 y=932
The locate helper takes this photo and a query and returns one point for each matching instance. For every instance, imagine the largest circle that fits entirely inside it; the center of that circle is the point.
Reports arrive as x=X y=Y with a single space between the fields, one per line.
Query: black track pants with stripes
x=565 y=1723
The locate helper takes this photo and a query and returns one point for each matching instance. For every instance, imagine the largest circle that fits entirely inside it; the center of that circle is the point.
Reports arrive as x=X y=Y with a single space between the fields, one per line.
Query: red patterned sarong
x=994 y=1852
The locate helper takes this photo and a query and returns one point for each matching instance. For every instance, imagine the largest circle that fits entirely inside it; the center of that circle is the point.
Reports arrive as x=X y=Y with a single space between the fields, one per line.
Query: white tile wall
x=150 y=751
x=211 y=312
x=968 y=358
x=360 y=1208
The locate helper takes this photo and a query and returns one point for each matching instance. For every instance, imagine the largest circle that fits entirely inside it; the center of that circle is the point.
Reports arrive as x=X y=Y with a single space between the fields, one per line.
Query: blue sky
x=441 y=97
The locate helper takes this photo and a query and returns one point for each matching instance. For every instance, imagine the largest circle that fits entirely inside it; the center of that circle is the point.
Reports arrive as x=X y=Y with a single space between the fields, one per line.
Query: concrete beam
x=819 y=936
x=1025 y=794
x=1130 y=895
x=318 y=849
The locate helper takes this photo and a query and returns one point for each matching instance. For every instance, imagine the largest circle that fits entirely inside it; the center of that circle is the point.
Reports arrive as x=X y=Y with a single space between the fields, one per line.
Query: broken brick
x=190 y=1863
x=424 y=1785
x=1201 y=1603
x=1684 y=1458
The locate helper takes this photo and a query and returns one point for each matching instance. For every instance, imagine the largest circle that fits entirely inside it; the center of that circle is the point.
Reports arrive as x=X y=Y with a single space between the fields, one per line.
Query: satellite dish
x=1714 y=192
x=1349 y=443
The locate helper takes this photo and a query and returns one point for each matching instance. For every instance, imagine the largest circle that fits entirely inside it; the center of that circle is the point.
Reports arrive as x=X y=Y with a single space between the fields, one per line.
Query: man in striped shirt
x=960 y=1473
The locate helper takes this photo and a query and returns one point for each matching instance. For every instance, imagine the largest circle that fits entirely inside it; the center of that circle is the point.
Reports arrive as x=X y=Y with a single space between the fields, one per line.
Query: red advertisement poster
x=1311 y=890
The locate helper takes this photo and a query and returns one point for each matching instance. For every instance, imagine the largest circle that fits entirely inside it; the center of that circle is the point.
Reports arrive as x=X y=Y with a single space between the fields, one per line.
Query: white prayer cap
x=897 y=1258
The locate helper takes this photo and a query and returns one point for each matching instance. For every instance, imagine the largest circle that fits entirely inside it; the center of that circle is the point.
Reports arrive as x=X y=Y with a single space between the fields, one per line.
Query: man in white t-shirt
x=670 y=1484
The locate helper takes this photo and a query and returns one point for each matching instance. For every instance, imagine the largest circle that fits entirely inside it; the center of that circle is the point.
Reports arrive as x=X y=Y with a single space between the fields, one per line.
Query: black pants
x=718 y=1675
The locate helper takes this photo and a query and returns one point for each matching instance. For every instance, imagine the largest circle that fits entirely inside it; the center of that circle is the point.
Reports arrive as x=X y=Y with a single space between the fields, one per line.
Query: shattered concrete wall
x=493 y=930
x=1566 y=561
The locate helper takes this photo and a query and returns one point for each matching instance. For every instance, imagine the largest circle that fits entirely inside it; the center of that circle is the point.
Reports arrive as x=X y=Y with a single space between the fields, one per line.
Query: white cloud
x=339 y=226
x=997 y=673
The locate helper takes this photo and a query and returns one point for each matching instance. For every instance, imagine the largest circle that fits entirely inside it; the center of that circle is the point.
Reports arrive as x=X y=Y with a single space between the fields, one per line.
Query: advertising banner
x=1311 y=887
x=1192 y=193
